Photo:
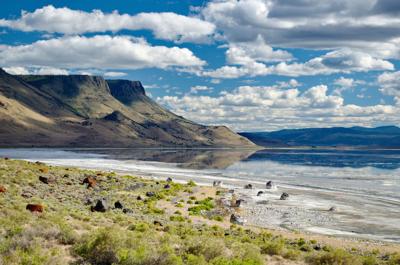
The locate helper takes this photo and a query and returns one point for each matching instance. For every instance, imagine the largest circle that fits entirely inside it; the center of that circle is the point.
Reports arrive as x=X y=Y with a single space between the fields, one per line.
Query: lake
x=363 y=185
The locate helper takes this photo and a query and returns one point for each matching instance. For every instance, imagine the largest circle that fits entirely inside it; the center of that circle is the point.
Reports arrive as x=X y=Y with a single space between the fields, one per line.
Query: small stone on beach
x=284 y=196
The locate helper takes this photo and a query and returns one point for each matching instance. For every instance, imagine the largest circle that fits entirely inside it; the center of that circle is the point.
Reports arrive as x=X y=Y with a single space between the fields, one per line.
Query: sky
x=253 y=65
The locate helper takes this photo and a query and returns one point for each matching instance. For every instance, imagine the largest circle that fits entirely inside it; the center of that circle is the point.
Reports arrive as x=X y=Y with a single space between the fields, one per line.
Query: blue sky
x=252 y=65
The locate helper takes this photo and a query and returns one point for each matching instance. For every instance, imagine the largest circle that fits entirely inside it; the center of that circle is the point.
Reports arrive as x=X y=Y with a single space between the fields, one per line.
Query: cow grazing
x=2 y=189
x=35 y=208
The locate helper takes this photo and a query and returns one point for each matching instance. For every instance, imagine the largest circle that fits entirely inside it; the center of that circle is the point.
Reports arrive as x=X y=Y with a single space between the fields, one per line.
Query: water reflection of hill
x=223 y=158
x=186 y=158
x=384 y=159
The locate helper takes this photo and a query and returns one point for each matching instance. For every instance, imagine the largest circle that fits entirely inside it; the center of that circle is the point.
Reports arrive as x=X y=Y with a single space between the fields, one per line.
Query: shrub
x=369 y=260
x=203 y=205
x=273 y=248
x=292 y=254
x=336 y=257
x=177 y=218
x=191 y=183
x=101 y=248
x=394 y=259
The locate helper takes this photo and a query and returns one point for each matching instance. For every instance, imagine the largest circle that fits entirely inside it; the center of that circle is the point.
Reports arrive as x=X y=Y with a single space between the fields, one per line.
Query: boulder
x=46 y=180
x=90 y=181
x=284 y=196
x=167 y=186
x=248 y=186
x=217 y=183
x=150 y=194
x=269 y=185
x=38 y=208
x=260 y=193
x=236 y=219
x=333 y=209
x=101 y=206
x=118 y=205
x=2 y=189
x=239 y=203
x=139 y=198
x=169 y=179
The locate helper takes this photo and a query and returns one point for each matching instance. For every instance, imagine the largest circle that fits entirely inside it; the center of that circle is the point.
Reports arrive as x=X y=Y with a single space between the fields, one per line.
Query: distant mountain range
x=88 y=111
x=379 y=137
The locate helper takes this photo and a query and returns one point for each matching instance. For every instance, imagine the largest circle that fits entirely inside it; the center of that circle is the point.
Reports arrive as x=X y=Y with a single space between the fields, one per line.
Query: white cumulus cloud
x=97 y=52
x=167 y=26
x=272 y=107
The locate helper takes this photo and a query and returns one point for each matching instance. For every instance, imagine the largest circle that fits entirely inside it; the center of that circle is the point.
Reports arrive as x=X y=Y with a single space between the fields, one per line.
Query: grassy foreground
x=156 y=222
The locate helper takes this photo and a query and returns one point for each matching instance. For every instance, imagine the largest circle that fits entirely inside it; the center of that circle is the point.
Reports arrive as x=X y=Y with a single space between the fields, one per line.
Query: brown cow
x=2 y=189
x=90 y=181
x=35 y=208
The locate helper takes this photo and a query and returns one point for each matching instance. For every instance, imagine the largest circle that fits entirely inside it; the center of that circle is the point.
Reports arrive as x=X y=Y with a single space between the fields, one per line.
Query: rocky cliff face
x=126 y=91
x=89 y=111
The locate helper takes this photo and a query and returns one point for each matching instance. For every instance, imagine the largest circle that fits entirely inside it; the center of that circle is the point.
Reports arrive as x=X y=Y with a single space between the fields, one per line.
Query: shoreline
x=335 y=239
x=306 y=210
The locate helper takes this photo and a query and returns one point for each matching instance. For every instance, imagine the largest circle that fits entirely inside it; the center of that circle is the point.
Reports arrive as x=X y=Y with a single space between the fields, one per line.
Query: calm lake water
x=364 y=185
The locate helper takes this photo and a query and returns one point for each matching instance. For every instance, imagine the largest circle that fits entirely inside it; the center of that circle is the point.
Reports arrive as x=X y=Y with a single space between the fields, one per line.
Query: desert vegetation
x=114 y=219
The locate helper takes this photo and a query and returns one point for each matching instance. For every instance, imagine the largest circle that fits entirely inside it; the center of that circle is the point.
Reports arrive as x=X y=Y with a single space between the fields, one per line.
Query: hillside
x=379 y=137
x=88 y=111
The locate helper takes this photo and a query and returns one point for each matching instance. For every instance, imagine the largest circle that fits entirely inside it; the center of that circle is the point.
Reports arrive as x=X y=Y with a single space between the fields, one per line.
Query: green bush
x=202 y=205
x=177 y=218
x=335 y=257
x=273 y=248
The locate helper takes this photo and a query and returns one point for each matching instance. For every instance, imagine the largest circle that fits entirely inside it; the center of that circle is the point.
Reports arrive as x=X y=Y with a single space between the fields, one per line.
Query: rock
x=260 y=193
x=2 y=189
x=333 y=209
x=284 y=196
x=66 y=176
x=317 y=247
x=118 y=205
x=167 y=186
x=231 y=191
x=101 y=206
x=269 y=185
x=158 y=223
x=27 y=194
x=6 y=158
x=35 y=208
x=46 y=180
x=248 y=186
x=217 y=183
x=127 y=210
x=90 y=181
x=169 y=179
x=239 y=202
x=139 y=198
x=236 y=219
x=150 y=194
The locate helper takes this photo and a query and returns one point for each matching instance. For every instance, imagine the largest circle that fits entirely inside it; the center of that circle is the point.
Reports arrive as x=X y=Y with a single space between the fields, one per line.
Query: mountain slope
x=386 y=136
x=89 y=111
